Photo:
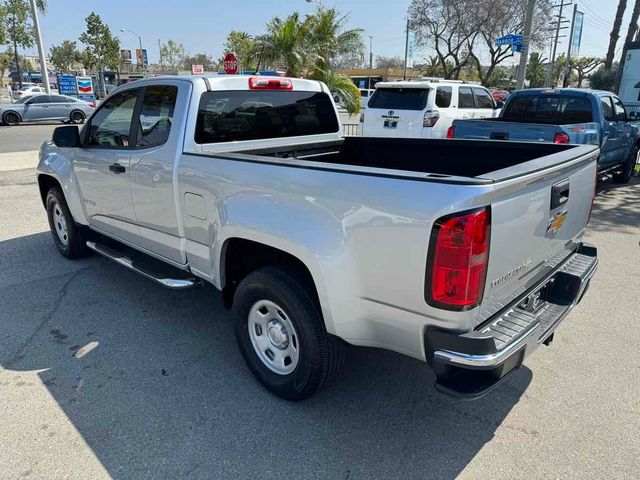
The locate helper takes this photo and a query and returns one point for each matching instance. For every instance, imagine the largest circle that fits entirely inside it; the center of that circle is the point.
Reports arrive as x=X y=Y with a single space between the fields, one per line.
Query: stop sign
x=230 y=64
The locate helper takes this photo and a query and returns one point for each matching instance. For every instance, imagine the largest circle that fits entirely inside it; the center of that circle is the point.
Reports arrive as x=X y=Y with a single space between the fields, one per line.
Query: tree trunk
x=631 y=32
x=15 y=54
x=615 y=34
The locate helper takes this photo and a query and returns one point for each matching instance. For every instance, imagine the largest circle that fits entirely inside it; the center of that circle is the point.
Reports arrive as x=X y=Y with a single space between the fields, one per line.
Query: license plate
x=390 y=123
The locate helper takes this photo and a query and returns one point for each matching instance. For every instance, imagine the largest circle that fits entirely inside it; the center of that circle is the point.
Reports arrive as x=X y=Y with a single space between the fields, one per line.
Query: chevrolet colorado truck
x=466 y=255
x=565 y=115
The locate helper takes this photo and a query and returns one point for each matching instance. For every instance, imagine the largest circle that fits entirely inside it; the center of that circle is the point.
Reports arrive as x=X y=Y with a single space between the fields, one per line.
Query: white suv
x=423 y=108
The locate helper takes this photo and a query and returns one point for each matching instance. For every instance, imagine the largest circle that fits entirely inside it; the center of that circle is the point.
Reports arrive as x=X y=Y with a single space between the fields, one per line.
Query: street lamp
x=370 y=60
x=140 y=42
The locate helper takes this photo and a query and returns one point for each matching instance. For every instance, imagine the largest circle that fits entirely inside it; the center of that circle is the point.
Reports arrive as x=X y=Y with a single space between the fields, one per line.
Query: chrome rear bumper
x=469 y=365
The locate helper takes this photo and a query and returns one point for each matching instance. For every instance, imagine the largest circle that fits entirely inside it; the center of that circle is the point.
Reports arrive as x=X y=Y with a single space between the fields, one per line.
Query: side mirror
x=499 y=105
x=67 y=137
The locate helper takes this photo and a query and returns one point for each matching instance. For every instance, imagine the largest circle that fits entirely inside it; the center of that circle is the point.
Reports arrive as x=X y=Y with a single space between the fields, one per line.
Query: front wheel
x=77 y=117
x=281 y=334
x=67 y=235
x=627 y=169
x=11 y=118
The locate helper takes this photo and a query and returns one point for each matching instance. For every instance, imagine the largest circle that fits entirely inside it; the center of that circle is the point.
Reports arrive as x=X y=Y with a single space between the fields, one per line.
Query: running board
x=156 y=270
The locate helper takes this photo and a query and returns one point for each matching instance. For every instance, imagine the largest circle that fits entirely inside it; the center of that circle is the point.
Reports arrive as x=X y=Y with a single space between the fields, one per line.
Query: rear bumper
x=470 y=365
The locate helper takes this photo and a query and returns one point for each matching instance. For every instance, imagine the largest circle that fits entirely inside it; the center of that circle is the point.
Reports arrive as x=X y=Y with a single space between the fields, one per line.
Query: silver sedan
x=46 y=107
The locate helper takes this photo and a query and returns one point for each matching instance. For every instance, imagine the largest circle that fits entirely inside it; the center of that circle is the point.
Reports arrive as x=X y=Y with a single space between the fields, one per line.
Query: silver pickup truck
x=464 y=254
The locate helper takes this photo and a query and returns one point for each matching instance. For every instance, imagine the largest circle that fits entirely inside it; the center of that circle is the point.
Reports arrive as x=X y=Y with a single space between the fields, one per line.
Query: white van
x=423 y=108
x=365 y=95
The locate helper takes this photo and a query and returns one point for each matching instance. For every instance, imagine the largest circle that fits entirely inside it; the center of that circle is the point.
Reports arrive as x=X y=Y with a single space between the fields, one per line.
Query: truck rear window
x=400 y=98
x=226 y=116
x=548 y=109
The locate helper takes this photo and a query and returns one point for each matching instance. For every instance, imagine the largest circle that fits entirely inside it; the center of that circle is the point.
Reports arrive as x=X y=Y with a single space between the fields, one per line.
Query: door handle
x=117 y=168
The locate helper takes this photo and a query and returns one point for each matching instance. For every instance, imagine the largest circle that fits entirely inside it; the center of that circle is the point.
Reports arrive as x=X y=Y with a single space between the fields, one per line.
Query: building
x=360 y=76
x=629 y=91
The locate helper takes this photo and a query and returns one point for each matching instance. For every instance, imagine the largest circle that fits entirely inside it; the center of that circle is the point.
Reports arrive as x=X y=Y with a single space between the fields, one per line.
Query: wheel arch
x=45 y=182
x=240 y=256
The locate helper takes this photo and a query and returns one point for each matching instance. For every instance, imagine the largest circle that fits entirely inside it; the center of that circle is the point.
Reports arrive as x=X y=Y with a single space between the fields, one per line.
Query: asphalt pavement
x=104 y=374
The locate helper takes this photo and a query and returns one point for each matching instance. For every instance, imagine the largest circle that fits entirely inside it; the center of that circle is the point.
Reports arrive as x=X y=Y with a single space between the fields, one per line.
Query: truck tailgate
x=497 y=130
x=537 y=221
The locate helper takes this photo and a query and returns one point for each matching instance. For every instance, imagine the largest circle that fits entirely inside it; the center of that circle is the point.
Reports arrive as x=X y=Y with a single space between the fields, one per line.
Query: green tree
x=102 y=49
x=328 y=36
x=244 y=47
x=536 y=72
x=584 y=66
x=171 y=54
x=341 y=85
x=64 y=56
x=604 y=78
x=198 y=59
x=17 y=27
x=284 y=43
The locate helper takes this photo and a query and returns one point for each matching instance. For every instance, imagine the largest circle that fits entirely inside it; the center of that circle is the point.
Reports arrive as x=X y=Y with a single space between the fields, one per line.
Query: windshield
x=548 y=109
x=399 y=98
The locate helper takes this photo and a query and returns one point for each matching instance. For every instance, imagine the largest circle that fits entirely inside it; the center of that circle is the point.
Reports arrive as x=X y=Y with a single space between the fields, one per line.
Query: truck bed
x=465 y=158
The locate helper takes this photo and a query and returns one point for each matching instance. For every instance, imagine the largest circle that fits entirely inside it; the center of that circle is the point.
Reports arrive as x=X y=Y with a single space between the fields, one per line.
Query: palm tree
x=535 y=70
x=432 y=68
x=340 y=85
x=615 y=34
x=328 y=37
x=284 y=43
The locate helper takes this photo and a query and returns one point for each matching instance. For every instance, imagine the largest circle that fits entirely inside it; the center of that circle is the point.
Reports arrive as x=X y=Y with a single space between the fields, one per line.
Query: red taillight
x=92 y=105
x=271 y=83
x=458 y=257
x=561 y=138
x=450 y=131
x=430 y=118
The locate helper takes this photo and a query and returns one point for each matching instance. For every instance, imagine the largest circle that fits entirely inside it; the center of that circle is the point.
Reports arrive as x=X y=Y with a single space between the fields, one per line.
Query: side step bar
x=148 y=267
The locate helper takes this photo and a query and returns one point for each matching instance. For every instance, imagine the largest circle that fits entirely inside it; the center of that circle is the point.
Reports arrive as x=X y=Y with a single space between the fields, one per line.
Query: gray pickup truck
x=464 y=254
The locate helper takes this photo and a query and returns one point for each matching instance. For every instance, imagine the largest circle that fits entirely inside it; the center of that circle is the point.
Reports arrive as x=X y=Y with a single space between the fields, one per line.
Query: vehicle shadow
x=154 y=383
x=617 y=206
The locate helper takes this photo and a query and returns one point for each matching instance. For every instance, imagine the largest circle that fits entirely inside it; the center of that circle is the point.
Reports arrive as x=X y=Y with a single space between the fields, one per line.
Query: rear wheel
x=627 y=169
x=281 y=334
x=77 y=117
x=67 y=235
x=11 y=118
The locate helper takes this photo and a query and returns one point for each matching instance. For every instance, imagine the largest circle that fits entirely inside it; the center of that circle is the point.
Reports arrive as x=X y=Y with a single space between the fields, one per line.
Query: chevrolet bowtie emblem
x=556 y=222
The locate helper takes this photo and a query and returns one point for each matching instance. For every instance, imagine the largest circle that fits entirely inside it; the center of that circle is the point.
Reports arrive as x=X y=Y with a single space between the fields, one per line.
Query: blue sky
x=202 y=26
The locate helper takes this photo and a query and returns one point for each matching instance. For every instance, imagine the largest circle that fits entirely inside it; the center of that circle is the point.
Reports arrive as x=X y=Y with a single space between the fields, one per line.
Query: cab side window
x=620 y=112
x=156 y=115
x=465 y=98
x=607 y=109
x=111 y=125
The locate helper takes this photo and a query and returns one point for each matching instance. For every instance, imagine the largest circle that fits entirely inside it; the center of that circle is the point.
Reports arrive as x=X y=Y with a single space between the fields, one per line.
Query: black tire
x=320 y=355
x=72 y=245
x=627 y=169
x=11 y=118
x=77 y=117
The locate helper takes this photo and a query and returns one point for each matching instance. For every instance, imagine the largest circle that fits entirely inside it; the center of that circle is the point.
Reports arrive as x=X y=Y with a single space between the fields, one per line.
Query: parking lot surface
x=104 y=374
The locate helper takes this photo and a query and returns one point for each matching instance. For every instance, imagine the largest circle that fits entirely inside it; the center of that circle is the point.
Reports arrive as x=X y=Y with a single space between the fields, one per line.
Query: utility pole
x=406 y=51
x=370 y=59
x=565 y=82
x=44 y=72
x=552 y=60
x=524 y=55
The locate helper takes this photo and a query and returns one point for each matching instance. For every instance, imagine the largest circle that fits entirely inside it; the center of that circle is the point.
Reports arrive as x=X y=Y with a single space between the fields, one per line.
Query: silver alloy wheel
x=60 y=224
x=273 y=337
